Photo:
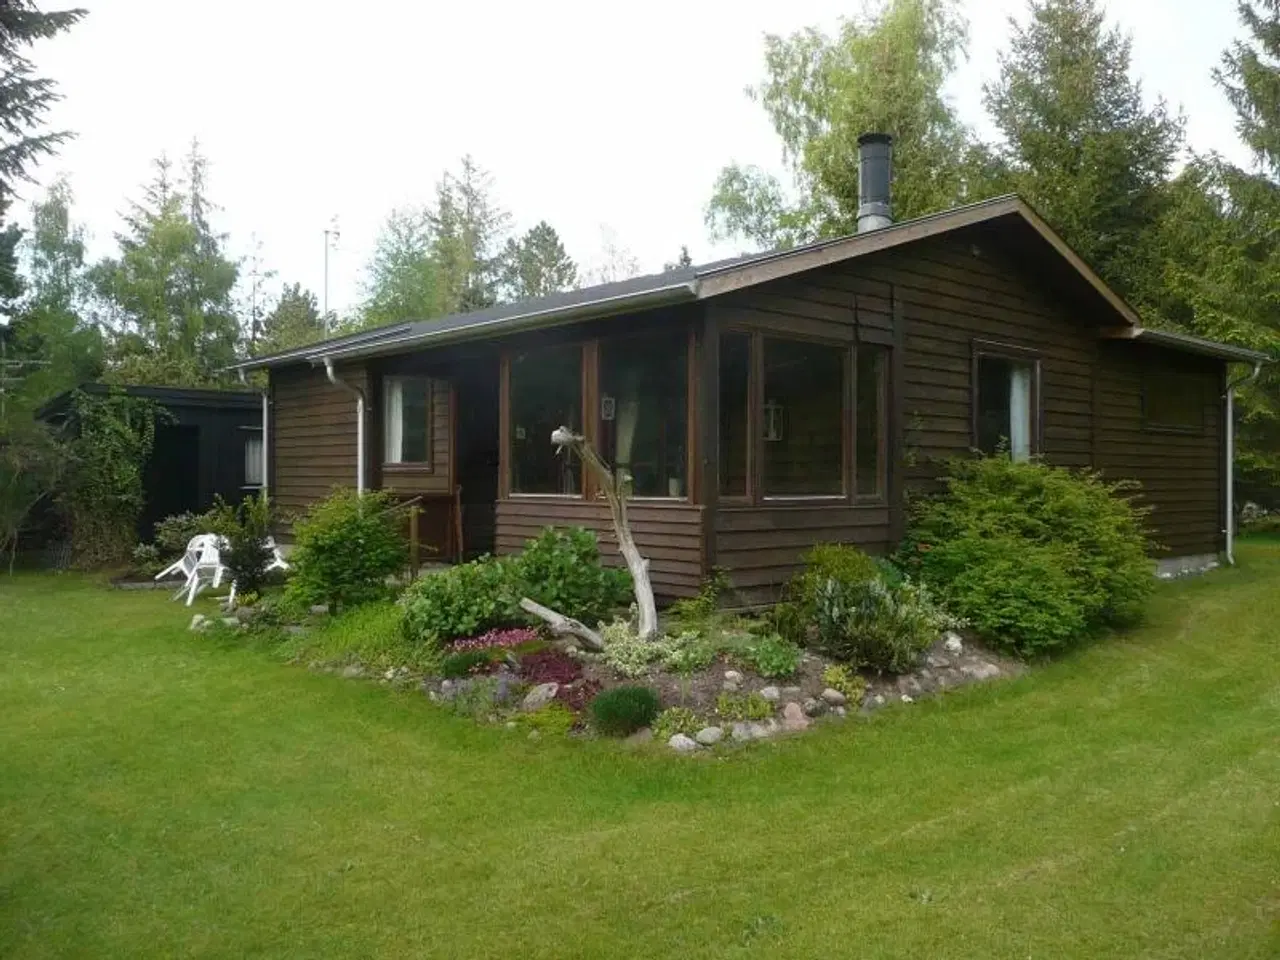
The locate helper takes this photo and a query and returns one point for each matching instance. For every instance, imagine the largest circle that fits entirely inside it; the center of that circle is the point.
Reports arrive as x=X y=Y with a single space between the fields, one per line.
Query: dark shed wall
x=313 y=434
x=1182 y=473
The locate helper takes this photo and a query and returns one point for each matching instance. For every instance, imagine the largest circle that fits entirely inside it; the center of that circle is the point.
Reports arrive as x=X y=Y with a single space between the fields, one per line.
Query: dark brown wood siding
x=1182 y=472
x=949 y=293
x=313 y=434
x=668 y=534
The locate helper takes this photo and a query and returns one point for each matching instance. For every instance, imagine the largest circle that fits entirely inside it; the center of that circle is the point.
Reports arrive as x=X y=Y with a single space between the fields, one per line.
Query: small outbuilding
x=208 y=445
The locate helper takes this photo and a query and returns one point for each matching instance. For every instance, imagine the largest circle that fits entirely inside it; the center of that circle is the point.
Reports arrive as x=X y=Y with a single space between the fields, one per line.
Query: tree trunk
x=561 y=625
x=616 y=492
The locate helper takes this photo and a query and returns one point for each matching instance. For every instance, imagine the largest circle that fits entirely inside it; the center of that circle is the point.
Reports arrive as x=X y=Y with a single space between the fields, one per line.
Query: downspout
x=1231 y=458
x=266 y=417
x=359 y=395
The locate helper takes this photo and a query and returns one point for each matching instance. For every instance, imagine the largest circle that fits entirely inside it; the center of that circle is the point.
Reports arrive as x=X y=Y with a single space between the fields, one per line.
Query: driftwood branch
x=561 y=625
x=616 y=491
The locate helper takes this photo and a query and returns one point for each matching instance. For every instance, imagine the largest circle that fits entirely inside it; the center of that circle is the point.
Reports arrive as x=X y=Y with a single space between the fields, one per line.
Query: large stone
x=834 y=697
x=813 y=707
x=319 y=609
x=539 y=696
x=793 y=717
x=772 y=694
x=741 y=731
x=952 y=643
x=763 y=729
x=936 y=661
x=643 y=735
x=730 y=687
x=352 y=671
x=981 y=670
x=709 y=735
x=732 y=676
x=792 y=693
x=199 y=622
x=682 y=744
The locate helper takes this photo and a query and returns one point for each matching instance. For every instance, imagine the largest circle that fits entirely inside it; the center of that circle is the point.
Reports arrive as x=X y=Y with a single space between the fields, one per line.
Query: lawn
x=164 y=794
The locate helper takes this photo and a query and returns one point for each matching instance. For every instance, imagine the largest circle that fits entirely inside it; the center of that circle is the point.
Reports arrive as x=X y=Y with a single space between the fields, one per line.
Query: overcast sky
x=587 y=114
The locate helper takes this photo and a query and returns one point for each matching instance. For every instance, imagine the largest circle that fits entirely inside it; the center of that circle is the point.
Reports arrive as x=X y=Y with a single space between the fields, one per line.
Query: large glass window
x=803 y=419
x=735 y=400
x=644 y=424
x=406 y=420
x=1006 y=405
x=546 y=392
x=869 y=405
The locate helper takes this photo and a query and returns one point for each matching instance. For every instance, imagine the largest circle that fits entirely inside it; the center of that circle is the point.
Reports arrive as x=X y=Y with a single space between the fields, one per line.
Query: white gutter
x=1231 y=458
x=359 y=395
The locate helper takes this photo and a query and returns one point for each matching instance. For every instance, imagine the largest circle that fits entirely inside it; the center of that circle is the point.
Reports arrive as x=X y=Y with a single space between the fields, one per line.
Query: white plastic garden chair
x=201 y=566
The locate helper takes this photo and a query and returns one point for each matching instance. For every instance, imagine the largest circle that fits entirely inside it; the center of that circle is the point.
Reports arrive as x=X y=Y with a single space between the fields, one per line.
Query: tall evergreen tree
x=536 y=264
x=1080 y=143
x=882 y=72
x=467 y=228
x=169 y=294
x=1250 y=77
x=294 y=321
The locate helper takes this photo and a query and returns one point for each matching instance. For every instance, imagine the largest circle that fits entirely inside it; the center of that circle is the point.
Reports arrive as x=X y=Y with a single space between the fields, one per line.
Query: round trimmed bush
x=622 y=711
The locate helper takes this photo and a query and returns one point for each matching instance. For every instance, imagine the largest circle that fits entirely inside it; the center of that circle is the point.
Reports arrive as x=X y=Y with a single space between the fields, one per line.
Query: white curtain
x=1020 y=412
x=627 y=419
x=253 y=472
x=393 y=418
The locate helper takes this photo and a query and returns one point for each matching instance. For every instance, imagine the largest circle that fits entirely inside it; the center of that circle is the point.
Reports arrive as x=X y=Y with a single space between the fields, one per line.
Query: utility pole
x=331 y=236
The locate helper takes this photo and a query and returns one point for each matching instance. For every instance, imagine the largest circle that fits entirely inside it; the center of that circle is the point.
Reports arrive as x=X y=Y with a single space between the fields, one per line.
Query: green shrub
x=464 y=663
x=841 y=678
x=552 y=720
x=345 y=549
x=630 y=656
x=146 y=560
x=773 y=657
x=694 y=612
x=1083 y=537
x=739 y=706
x=460 y=601
x=247 y=537
x=870 y=624
x=561 y=569
x=675 y=720
x=824 y=564
x=624 y=710
x=173 y=533
x=368 y=634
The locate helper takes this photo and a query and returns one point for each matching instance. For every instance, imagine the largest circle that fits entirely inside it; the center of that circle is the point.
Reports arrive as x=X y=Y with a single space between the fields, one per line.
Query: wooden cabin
x=770 y=402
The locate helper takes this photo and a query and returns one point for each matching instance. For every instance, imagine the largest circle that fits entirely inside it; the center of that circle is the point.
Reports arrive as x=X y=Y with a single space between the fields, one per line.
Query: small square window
x=406 y=420
x=1172 y=402
x=1006 y=414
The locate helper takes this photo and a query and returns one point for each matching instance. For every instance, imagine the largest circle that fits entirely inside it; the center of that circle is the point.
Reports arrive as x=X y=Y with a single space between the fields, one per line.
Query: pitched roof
x=688 y=284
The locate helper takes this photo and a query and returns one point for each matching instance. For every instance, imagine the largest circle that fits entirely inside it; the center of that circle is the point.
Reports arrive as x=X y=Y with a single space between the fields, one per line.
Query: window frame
x=587 y=361
x=407 y=466
x=1155 y=426
x=995 y=350
x=690 y=410
x=755 y=496
x=247 y=434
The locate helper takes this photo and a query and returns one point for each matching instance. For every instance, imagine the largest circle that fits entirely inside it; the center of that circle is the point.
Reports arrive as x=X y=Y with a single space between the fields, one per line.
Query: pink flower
x=502 y=638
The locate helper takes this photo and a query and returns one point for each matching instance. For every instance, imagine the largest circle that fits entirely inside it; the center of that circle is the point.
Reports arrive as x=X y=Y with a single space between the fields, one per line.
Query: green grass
x=166 y=794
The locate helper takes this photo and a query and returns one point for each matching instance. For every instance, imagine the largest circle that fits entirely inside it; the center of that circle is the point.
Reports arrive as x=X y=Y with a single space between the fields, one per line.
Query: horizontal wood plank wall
x=313 y=436
x=1181 y=473
x=669 y=535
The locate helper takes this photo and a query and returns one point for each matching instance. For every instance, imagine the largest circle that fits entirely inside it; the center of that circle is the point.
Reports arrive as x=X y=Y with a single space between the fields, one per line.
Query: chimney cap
x=869 y=138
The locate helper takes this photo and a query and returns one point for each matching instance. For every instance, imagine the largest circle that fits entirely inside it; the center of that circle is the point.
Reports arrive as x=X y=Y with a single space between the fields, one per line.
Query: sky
x=593 y=116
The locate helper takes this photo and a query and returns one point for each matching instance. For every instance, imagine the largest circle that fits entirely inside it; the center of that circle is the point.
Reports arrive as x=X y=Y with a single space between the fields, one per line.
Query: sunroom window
x=735 y=401
x=644 y=425
x=870 y=410
x=546 y=392
x=406 y=420
x=803 y=418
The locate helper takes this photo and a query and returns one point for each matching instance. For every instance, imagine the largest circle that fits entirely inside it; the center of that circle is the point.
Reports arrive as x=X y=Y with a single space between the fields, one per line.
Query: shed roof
x=1031 y=237
x=165 y=396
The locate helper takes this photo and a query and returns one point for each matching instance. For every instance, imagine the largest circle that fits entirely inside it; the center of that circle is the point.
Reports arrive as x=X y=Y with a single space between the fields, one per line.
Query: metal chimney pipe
x=875 y=176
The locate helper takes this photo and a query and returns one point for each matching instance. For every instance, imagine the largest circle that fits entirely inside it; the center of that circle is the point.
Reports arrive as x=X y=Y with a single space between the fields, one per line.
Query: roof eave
x=535 y=320
x=1187 y=344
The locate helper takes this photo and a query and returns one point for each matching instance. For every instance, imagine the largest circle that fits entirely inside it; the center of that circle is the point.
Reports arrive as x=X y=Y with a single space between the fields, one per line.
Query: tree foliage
x=882 y=71
x=1080 y=142
x=536 y=264
x=1250 y=77
x=168 y=296
x=294 y=321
